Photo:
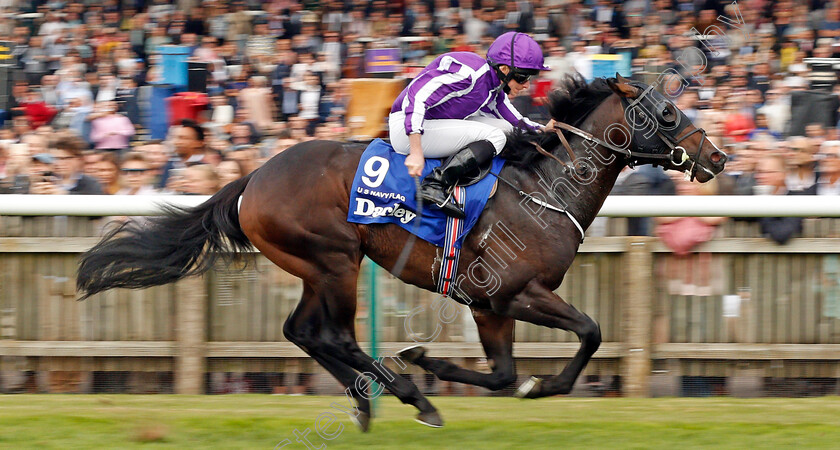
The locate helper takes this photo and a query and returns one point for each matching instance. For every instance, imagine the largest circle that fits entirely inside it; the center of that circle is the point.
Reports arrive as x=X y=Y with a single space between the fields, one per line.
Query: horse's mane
x=571 y=103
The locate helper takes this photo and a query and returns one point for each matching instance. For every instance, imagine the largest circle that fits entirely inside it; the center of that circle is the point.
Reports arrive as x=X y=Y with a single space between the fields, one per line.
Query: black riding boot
x=437 y=185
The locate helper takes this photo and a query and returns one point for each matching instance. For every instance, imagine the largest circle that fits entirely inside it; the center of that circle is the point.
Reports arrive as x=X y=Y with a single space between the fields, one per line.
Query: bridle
x=677 y=156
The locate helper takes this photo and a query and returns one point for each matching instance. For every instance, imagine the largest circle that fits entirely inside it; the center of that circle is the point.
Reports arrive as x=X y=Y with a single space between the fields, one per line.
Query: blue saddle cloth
x=383 y=192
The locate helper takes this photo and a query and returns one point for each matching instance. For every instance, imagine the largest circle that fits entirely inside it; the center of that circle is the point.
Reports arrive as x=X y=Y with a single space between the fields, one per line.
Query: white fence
x=615 y=206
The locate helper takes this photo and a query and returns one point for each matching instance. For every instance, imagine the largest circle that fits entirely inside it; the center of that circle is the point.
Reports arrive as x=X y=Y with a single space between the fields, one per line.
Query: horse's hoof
x=529 y=389
x=412 y=353
x=430 y=419
x=362 y=421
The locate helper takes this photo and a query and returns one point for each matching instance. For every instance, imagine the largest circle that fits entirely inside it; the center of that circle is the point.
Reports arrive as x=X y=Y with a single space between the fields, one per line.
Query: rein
x=677 y=156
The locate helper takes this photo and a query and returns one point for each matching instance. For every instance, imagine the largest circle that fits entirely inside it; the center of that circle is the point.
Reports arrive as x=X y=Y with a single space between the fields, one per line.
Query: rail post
x=637 y=308
x=191 y=335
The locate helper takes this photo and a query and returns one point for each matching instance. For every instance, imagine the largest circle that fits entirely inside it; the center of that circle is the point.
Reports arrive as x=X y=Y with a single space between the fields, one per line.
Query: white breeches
x=444 y=137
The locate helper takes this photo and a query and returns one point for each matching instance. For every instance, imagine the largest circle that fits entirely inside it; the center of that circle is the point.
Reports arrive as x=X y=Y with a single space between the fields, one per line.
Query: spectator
x=158 y=38
x=241 y=133
x=156 y=156
x=229 y=170
x=35 y=60
x=110 y=130
x=67 y=152
x=802 y=175
x=282 y=144
x=41 y=177
x=107 y=173
x=239 y=23
x=49 y=91
x=35 y=143
x=770 y=180
x=14 y=178
x=188 y=142
x=207 y=52
x=761 y=130
x=136 y=175
x=37 y=111
x=246 y=156
x=290 y=99
x=257 y=102
x=310 y=96
x=90 y=161
x=829 y=181
x=201 y=179
x=93 y=50
x=261 y=44
x=222 y=115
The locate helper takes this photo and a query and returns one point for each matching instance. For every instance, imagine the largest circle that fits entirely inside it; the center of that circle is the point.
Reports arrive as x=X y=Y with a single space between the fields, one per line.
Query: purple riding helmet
x=518 y=51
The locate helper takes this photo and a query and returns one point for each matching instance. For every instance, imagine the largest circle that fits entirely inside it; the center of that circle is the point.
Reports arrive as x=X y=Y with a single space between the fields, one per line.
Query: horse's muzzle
x=718 y=159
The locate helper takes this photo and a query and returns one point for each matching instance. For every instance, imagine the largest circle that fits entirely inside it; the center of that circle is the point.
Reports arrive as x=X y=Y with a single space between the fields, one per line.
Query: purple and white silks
x=456 y=85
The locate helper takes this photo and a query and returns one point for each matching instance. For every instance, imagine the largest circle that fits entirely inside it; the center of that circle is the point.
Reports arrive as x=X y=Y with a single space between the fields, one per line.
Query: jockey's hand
x=414 y=163
x=549 y=126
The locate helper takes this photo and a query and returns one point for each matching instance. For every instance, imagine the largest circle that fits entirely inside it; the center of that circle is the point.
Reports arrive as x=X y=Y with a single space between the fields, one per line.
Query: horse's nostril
x=717 y=157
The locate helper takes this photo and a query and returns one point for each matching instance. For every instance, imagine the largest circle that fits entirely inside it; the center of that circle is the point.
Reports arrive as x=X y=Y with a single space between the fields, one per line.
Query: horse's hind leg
x=539 y=305
x=302 y=328
x=339 y=341
x=333 y=337
x=496 y=334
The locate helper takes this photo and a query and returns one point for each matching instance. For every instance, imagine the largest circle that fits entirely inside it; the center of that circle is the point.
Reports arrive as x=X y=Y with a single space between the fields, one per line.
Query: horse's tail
x=182 y=242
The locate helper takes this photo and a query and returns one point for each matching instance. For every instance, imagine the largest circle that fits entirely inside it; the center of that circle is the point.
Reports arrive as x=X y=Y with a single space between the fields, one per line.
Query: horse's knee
x=590 y=334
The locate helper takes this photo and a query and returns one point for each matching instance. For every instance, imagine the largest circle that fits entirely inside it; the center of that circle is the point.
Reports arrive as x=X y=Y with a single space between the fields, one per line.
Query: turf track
x=262 y=421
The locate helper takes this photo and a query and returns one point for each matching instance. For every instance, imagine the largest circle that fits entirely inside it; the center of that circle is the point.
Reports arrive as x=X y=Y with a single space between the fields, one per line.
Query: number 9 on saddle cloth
x=383 y=192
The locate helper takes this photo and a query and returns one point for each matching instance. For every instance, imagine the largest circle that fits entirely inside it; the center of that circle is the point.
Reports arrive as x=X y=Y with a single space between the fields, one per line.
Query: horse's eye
x=667 y=115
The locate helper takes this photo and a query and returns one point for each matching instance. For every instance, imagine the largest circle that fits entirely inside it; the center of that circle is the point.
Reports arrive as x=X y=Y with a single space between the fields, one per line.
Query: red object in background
x=410 y=72
x=737 y=127
x=38 y=113
x=186 y=105
x=542 y=86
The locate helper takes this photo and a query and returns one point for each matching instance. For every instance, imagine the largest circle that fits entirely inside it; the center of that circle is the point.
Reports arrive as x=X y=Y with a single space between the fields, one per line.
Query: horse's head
x=662 y=134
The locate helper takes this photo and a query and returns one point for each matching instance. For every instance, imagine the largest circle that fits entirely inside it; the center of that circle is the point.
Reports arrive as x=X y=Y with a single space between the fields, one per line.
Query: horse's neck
x=585 y=206
x=584 y=195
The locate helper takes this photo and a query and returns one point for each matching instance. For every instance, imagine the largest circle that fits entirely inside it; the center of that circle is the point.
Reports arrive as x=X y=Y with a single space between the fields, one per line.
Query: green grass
x=261 y=422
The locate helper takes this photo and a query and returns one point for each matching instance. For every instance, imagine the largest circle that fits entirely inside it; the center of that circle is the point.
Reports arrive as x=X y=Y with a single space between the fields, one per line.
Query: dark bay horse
x=294 y=210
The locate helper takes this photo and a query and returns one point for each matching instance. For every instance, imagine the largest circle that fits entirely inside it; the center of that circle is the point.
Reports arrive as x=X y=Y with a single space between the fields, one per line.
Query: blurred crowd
x=81 y=75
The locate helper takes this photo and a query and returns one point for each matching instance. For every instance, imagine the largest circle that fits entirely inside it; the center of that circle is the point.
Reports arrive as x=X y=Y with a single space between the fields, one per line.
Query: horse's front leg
x=539 y=305
x=496 y=334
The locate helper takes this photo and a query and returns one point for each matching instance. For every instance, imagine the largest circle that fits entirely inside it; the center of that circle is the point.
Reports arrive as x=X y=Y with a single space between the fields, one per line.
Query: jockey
x=460 y=101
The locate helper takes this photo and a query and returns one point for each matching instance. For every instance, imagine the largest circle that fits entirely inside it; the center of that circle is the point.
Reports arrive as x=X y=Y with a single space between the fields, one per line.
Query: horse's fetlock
x=565 y=388
x=501 y=380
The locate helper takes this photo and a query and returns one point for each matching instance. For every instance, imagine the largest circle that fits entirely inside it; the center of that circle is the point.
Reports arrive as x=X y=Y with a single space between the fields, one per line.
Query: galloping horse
x=294 y=210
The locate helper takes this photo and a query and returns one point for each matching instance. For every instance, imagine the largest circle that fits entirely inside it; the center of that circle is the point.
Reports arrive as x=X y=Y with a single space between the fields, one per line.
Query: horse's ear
x=620 y=86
